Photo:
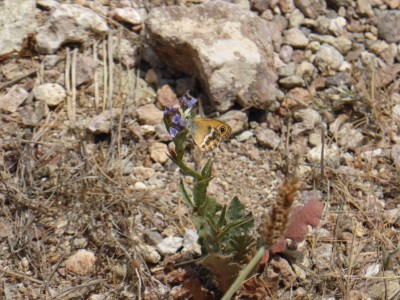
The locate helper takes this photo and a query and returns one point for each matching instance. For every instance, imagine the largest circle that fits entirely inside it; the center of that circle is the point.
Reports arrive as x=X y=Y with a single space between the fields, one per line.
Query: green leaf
x=185 y=195
x=236 y=210
x=234 y=225
x=212 y=224
x=207 y=169
x=200 y=192
x=240 y=246
x=222 y=220
x=167 y=122
x=180 y=143
x=207 y=238
x=211 y=206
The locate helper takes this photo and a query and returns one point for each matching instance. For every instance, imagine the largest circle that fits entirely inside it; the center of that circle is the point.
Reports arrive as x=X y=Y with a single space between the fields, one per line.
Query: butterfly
x=208 y=133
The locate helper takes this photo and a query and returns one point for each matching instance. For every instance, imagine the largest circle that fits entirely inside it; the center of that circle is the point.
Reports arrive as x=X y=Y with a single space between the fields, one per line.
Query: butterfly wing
x=208 y=133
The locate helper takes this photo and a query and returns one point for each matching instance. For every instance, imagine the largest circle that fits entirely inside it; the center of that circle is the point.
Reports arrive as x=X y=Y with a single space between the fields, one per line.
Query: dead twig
x=81 y=286
x=19 y=275
x=15 y=80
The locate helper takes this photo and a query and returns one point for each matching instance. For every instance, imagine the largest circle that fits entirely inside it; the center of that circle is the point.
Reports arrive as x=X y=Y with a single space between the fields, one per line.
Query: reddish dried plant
x=286 y=223
x=272 y=231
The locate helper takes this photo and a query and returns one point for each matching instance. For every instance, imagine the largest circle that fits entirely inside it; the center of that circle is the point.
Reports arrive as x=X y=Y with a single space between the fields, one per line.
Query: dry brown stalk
x=274 y=228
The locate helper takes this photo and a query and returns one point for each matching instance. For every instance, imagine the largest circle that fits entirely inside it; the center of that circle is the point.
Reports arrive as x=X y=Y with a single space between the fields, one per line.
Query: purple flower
x=173 y=132
x=170 y=111
x=192 y=102
x=177 y=120
x=184 y=102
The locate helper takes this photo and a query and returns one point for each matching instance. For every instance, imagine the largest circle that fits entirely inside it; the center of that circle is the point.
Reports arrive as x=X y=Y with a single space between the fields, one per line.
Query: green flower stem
x=243 y=274
x=188 y=171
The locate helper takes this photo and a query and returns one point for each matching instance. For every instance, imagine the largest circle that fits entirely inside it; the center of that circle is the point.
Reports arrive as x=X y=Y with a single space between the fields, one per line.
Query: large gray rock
x=228 y=49
x=68 y=24
x=17 y=19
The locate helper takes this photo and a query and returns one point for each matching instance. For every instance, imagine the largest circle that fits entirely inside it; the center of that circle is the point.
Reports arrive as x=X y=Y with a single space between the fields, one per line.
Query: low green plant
x=222 y=229
x=226 y=232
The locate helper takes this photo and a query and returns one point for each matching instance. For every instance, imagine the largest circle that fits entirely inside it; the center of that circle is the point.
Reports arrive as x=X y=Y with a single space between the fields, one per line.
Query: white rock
x=128 y=15
x=139 y=186
x=285 y=53
x=342 y=44
x=143 y=173
x=345 y=67
x=337 y=26
x=149 y=114
x=295 y=38
x=47 y=4
x=328 y=58
x=190 y=244
x=314 y=139
x=244 y=136
x=302 y=171
x=50 y=93
x=331 y=153
x=97 y=297
x=149 y=253
x=296 y=18
x=309 y=117
x=287 y=70
x=306 y=70
x=268 y=138
x=13 y=99
x=372 y=270
x=158 y=152
x=395 y=156
x=103 y=123
x=81 y=263
x=396 y=112
x=17 y=19
x=170 y=245
x=349 y=138
x=392 y=216
x=292 y=82
x=369 y=154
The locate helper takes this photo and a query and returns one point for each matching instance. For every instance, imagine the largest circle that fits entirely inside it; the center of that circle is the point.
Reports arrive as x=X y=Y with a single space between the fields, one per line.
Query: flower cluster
x=187 y=103
x=179 y=115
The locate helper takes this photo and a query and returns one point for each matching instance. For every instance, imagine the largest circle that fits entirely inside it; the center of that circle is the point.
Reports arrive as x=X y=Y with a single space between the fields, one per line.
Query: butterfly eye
x=222 y=129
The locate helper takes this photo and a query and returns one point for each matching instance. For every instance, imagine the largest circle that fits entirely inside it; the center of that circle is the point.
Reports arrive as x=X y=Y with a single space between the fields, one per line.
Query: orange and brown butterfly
x=208 y=133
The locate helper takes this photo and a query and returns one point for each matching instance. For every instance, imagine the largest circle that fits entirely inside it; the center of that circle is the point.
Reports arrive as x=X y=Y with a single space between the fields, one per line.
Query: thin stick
x=67 y=81
x=105 y=74
x=19 y=275
x=73 y=83
x=322 y=153
x=139 y=284
x=110 y=57
x=15 y=80
x=96 y=81
x=71 y=289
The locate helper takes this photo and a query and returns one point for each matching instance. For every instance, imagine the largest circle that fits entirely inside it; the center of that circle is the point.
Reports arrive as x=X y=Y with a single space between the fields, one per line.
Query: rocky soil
x=90 y=202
